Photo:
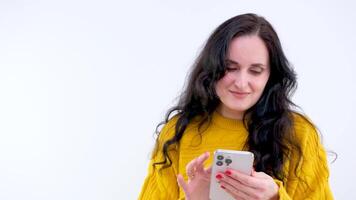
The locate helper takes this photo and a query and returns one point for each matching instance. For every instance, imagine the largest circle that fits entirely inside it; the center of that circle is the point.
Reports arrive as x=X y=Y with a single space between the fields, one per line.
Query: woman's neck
x=228 y=113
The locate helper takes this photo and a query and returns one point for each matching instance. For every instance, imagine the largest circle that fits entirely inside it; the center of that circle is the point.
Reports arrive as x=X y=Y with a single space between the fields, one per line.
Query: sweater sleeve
x=313 y=172
x=160 y=183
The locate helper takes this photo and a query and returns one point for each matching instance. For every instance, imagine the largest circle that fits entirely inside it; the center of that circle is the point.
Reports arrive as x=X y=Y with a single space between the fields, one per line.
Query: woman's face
x=245 y=78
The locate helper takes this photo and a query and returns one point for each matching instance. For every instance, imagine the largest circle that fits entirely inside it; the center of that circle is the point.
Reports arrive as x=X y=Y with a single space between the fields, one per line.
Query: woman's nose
x=241 y=80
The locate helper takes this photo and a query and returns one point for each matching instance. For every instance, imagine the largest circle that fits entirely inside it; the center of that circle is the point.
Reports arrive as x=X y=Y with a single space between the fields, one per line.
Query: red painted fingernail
x=218 y=176
x=222 y=187
x=228 y=172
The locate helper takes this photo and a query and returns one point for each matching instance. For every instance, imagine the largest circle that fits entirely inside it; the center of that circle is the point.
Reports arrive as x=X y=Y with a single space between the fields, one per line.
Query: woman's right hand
x=197 y=186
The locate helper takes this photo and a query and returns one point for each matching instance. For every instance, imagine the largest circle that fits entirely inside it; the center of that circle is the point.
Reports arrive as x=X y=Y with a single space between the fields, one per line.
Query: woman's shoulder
x=168 y=128
x=301 y=121
x=304 y=129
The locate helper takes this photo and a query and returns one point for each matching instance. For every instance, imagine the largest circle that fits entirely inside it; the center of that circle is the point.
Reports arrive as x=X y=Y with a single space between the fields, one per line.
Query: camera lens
x=228 y=161
x=220 y=157
x=219 y=163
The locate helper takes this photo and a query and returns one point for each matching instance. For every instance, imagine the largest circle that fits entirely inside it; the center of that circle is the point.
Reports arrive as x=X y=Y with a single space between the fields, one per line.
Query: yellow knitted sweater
x=224 y=133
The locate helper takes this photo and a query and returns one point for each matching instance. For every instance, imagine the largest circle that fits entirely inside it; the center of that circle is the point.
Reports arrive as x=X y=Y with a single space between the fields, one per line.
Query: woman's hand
x=197 y=186
x=258 y=186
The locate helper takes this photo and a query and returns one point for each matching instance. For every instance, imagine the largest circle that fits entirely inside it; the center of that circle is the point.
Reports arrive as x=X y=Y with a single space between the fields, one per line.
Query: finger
x=197 y=163
x=243 y=178
x=248 y=191
x=201 y=159
x=208 y=170
x=191 y=166
x=237 y=194
x=182 y=183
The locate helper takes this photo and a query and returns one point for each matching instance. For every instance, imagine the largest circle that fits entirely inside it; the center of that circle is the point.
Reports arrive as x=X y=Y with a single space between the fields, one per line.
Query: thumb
x=259 y=174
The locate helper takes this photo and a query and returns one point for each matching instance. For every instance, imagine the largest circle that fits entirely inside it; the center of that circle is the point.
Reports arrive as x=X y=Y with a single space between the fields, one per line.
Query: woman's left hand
x=258 y=186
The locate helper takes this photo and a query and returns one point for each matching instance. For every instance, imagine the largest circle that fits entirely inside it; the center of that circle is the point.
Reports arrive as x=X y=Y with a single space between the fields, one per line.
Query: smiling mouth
x=240 y=94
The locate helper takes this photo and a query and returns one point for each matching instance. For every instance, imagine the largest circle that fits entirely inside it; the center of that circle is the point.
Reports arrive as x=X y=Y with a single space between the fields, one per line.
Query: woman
x=238 y=98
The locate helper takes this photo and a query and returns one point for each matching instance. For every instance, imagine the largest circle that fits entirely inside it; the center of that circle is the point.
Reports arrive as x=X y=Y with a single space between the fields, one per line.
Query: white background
x=83 y=85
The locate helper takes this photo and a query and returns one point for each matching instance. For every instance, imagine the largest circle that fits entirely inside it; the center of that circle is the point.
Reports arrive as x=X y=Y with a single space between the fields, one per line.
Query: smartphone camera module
x=219 y=163
x=228 y=161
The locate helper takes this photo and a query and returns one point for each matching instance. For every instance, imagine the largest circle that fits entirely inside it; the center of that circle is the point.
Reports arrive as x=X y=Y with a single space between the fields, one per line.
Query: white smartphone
x=223 y=159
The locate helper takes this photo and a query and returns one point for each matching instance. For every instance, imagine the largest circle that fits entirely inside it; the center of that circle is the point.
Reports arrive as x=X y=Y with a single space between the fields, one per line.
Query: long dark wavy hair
x=269 y=122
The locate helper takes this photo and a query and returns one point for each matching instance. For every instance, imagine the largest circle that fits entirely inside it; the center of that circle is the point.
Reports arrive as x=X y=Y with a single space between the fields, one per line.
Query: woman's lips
x=239 y=94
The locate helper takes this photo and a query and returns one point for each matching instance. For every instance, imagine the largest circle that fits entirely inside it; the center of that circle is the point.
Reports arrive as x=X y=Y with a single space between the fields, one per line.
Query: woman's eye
x=230 y=69
x=256 y=71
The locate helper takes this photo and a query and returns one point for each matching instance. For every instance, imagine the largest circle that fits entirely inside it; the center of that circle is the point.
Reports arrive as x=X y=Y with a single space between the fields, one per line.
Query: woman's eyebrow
x=253 y=65
x=232 y=61
x=258 y=65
